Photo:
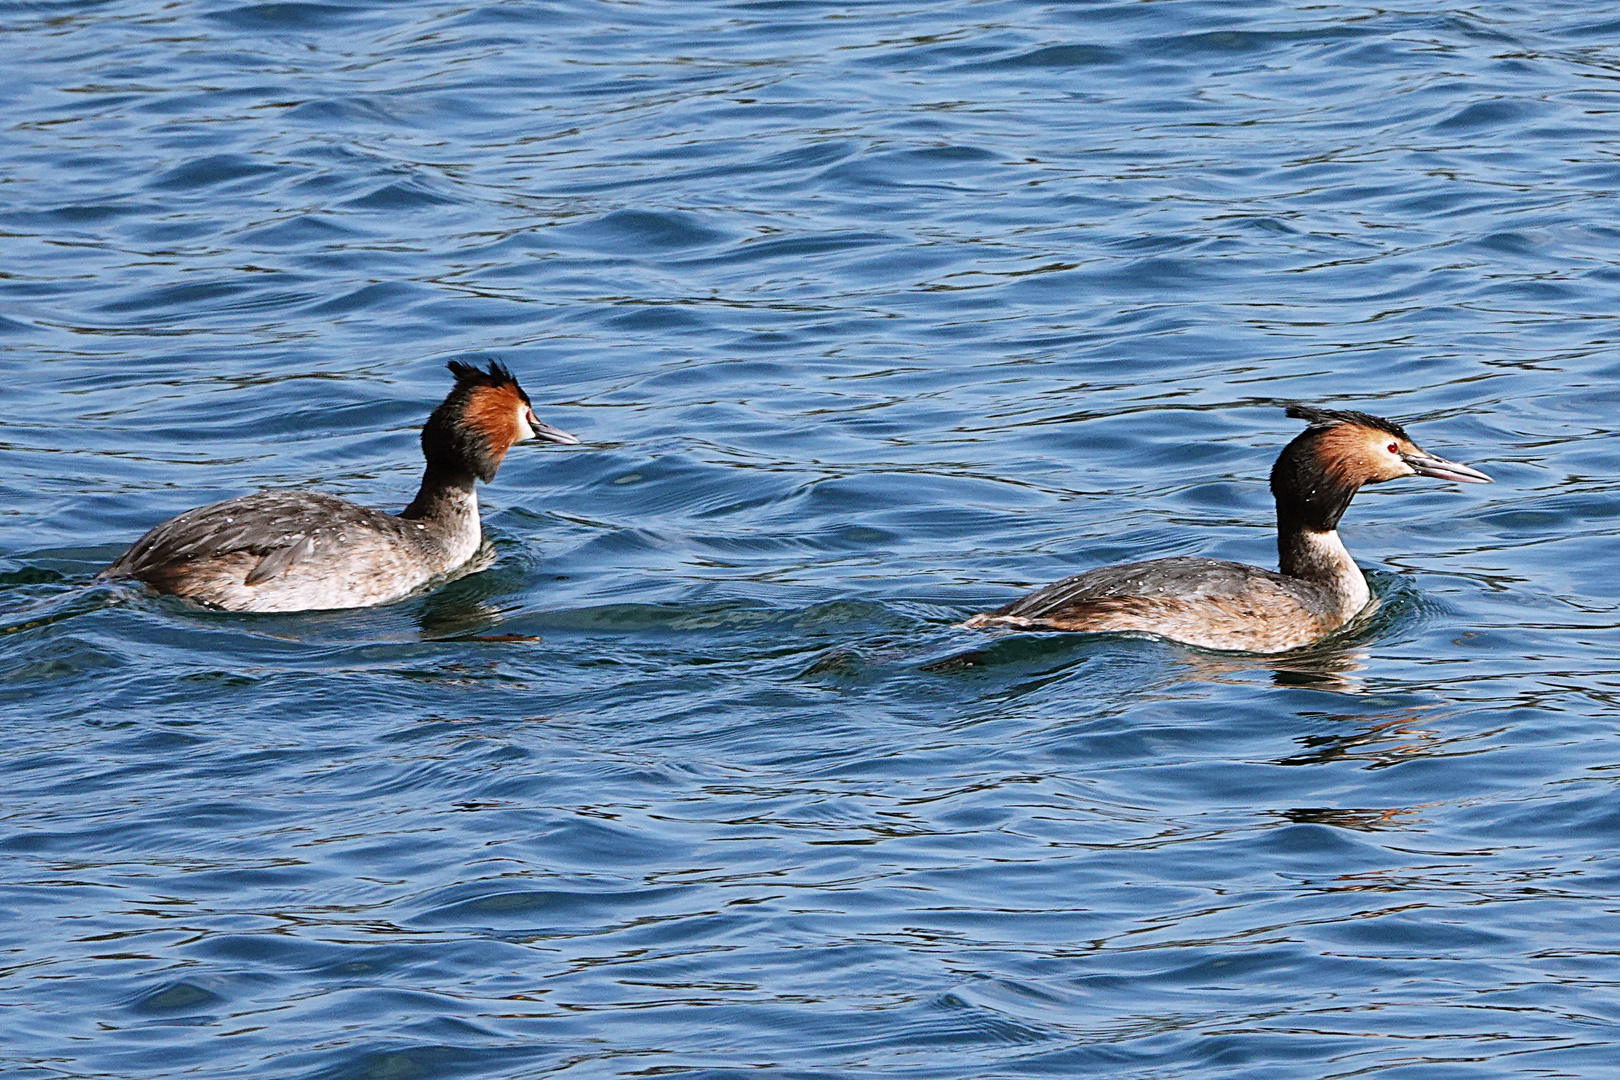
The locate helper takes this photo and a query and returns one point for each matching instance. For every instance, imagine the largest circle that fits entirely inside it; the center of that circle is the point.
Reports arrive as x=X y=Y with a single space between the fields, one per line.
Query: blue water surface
x=870 y=314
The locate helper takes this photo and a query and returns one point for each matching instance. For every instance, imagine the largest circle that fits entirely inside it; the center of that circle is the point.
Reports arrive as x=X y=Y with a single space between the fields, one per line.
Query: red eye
x=1394 y=449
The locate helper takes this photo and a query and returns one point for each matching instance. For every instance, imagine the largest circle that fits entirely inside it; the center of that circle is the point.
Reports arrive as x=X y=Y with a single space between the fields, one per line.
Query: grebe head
x=478 y=422
x=1318 y=473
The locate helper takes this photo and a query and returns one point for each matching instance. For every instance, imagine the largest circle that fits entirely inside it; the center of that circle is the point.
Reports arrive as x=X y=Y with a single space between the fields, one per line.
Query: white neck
x=1321 y=558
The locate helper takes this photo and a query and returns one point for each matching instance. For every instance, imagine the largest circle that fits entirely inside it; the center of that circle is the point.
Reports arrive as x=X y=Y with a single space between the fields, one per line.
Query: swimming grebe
x=1234 y=607
x=307 y=551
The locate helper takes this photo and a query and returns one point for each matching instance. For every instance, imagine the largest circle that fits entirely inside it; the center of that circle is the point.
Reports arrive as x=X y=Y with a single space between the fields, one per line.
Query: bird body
x=307 y=550
x=1230 y=606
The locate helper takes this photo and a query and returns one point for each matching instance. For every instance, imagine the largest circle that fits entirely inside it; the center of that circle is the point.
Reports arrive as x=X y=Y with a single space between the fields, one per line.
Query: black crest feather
x=472 y=375
x=1326 y=418
x=448 y=442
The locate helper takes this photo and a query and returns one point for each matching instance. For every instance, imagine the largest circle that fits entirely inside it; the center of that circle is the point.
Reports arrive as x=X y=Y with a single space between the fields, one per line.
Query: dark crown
x=470 y=375
x=1326 y=418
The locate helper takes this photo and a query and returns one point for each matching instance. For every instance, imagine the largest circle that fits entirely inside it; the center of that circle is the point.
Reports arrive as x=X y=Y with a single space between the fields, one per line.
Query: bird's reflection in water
x=1360 y=818
x=1332 y=670
x=1050 y=658
x=462 y=618
x=460 y=611
x=1379 y=741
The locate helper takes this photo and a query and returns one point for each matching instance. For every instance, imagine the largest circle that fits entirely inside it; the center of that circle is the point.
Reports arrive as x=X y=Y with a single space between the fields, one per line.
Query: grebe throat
x=446 y=508
x=1320 y=558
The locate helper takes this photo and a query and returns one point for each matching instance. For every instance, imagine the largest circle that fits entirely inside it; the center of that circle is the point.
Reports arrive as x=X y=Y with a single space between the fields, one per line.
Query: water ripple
x=871 y=316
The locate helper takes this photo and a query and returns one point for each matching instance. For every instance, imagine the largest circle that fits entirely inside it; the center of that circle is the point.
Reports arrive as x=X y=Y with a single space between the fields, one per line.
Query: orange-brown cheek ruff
x=493 y=414
x=1352 y=455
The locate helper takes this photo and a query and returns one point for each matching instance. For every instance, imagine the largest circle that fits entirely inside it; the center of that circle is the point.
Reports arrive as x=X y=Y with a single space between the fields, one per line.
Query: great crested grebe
x=307 y=551
x=1234 y=607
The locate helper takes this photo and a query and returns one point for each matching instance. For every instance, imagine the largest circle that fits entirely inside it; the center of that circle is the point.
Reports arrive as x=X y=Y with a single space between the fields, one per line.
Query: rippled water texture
x=870 y=315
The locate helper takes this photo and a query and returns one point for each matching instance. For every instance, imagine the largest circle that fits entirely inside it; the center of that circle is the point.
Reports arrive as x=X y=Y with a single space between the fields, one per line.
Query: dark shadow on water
x=33 y=598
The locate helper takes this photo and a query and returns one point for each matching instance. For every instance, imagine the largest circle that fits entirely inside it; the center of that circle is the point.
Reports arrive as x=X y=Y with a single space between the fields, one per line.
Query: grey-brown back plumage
x=1185 y=577
x=270 y=551
x=1206 y=602
x=305 y=551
